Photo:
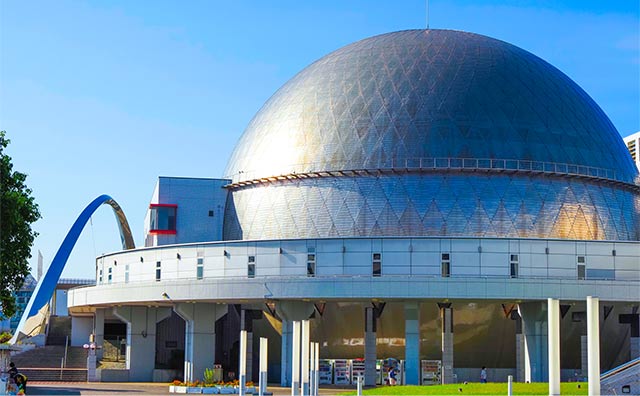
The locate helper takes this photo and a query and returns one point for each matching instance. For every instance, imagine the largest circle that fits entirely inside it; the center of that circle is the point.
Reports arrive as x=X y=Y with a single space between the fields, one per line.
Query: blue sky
x=105 y=96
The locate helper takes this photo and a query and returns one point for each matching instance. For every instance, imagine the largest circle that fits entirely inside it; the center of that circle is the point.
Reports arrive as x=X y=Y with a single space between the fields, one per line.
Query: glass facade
x=162 y=218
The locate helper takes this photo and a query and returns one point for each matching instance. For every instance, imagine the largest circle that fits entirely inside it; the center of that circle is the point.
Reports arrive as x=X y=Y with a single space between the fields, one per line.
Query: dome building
x=391 y=186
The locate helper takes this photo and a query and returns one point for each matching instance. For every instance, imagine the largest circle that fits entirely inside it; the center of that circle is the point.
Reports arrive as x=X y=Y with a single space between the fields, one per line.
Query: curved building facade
x=405 y=176
x=432 y=132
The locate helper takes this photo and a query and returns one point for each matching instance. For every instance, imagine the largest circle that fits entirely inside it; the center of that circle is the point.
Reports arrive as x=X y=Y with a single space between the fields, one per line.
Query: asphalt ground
x=130 y=388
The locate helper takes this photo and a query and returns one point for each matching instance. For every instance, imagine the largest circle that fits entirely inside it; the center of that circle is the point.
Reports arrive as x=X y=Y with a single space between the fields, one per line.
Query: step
x=54 y=375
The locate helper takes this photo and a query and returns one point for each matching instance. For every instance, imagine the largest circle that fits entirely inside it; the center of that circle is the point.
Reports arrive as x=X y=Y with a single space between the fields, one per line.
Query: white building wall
x=196 y=200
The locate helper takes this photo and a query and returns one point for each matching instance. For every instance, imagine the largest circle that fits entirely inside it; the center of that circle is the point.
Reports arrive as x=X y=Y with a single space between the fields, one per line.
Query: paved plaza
x=129 y=388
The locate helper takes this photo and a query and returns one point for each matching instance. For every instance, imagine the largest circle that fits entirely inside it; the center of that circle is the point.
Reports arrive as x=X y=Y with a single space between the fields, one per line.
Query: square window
x=376 y=256
x=514 y=257
x=211 y=213
x=581 y=259
x=200 y=261
x=252 y=259
x=445 y=256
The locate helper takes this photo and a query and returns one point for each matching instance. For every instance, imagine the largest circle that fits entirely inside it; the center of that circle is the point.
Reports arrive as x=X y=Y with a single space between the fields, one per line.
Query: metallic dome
x=431 y=132
x=426 y=94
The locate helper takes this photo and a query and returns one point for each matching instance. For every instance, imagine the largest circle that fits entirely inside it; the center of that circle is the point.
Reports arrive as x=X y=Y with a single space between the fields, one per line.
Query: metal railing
x=429 y=164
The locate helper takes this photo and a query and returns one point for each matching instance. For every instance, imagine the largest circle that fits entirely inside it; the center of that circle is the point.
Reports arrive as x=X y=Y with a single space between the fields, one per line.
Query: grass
x=538 y=388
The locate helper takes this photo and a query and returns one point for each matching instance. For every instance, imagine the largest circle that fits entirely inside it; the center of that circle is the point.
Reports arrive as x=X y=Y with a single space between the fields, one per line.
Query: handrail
x=344 y=168
x=620 y=368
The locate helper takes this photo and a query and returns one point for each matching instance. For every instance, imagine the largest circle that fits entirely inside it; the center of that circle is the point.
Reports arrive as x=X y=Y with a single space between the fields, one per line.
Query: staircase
x=43 y=364
x=59 y=330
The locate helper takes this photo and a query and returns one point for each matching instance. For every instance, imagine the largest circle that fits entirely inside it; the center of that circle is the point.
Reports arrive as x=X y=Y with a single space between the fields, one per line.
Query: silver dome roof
x=417 y=95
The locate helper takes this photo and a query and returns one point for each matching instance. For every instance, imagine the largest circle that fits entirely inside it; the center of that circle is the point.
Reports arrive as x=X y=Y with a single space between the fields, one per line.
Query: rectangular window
x=251 y=270
x=311 y=263
x=377 y=264
x=446 y=265
x=158 y=271
x=162 y=218
x=126 y=273
x=109 y=276
x=513 y=266
x=100 y=277
x=581 y=267
x=200 y=268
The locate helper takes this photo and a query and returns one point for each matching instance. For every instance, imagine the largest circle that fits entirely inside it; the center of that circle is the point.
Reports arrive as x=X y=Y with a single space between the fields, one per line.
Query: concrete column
x=553 y=310
x=264 y=344
x=286 y=353
x=412 y=343
x=199 y=336
x=534 y=329
x=98 y=331
x=290 y=311
x=584 y=360
x=520 y=362
x=304 y=367
x=141 y=339
x=295 y=359
x=370 y=353
x=446 y=315
x=593 y=341
x=242 y=369
x=316 y=381
x=312 y=367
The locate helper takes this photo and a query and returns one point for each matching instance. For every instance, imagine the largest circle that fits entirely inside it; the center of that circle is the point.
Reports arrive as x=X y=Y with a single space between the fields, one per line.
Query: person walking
x=483 y=375
x=13 y=370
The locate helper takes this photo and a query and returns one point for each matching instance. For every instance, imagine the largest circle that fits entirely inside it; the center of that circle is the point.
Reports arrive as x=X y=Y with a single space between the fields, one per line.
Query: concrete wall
x=470 y=257
x=81 y=328
x=195 y=199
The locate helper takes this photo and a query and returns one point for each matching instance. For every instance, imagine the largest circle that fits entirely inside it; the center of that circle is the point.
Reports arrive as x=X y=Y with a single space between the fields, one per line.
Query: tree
x=18 y=211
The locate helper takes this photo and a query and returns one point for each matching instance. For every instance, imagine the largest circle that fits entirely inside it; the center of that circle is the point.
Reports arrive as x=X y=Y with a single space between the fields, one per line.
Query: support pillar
x=263 y=366
x=304 y=367
x=593 y=341
x=520 y=362
x=141 y=339
x=199 y=336
x=370 y=352
x=412 y=343
x=247 y=316
x=290 y=311
x=242 y=363
x=446 y=316
x=553 y=319
x=286 y=353
x=98 y=331
x=534 y=327
x=295 y=360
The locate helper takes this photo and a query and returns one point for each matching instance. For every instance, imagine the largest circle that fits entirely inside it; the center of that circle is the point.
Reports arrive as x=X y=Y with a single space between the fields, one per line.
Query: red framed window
x=162 y=219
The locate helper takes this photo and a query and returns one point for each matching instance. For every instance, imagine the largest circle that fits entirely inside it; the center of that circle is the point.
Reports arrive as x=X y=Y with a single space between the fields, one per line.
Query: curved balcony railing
x=301 y=171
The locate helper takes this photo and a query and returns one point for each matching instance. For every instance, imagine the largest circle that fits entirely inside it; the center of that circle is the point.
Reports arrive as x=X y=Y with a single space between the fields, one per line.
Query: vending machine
x=325 y=368
x=380 y=372
x=430 y=372
x=357 y=370
x=341 y=372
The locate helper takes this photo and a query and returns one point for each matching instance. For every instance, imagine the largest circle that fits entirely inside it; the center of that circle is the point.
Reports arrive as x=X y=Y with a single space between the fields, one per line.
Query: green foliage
x=5 y=337
x=208 y=376
x=18 y=211
x=536 y=388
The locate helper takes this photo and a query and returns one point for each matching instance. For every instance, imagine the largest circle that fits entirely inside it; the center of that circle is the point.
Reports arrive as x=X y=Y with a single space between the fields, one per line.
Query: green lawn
x=539 y=388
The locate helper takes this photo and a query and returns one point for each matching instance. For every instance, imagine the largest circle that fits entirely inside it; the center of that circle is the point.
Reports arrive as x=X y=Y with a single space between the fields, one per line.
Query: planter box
x=194 y=389
x=179 y=389
x=210 y=390
x=227 y=390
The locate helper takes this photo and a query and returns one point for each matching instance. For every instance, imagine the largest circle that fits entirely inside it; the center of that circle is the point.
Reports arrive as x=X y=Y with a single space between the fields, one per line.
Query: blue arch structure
x=47 y=285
